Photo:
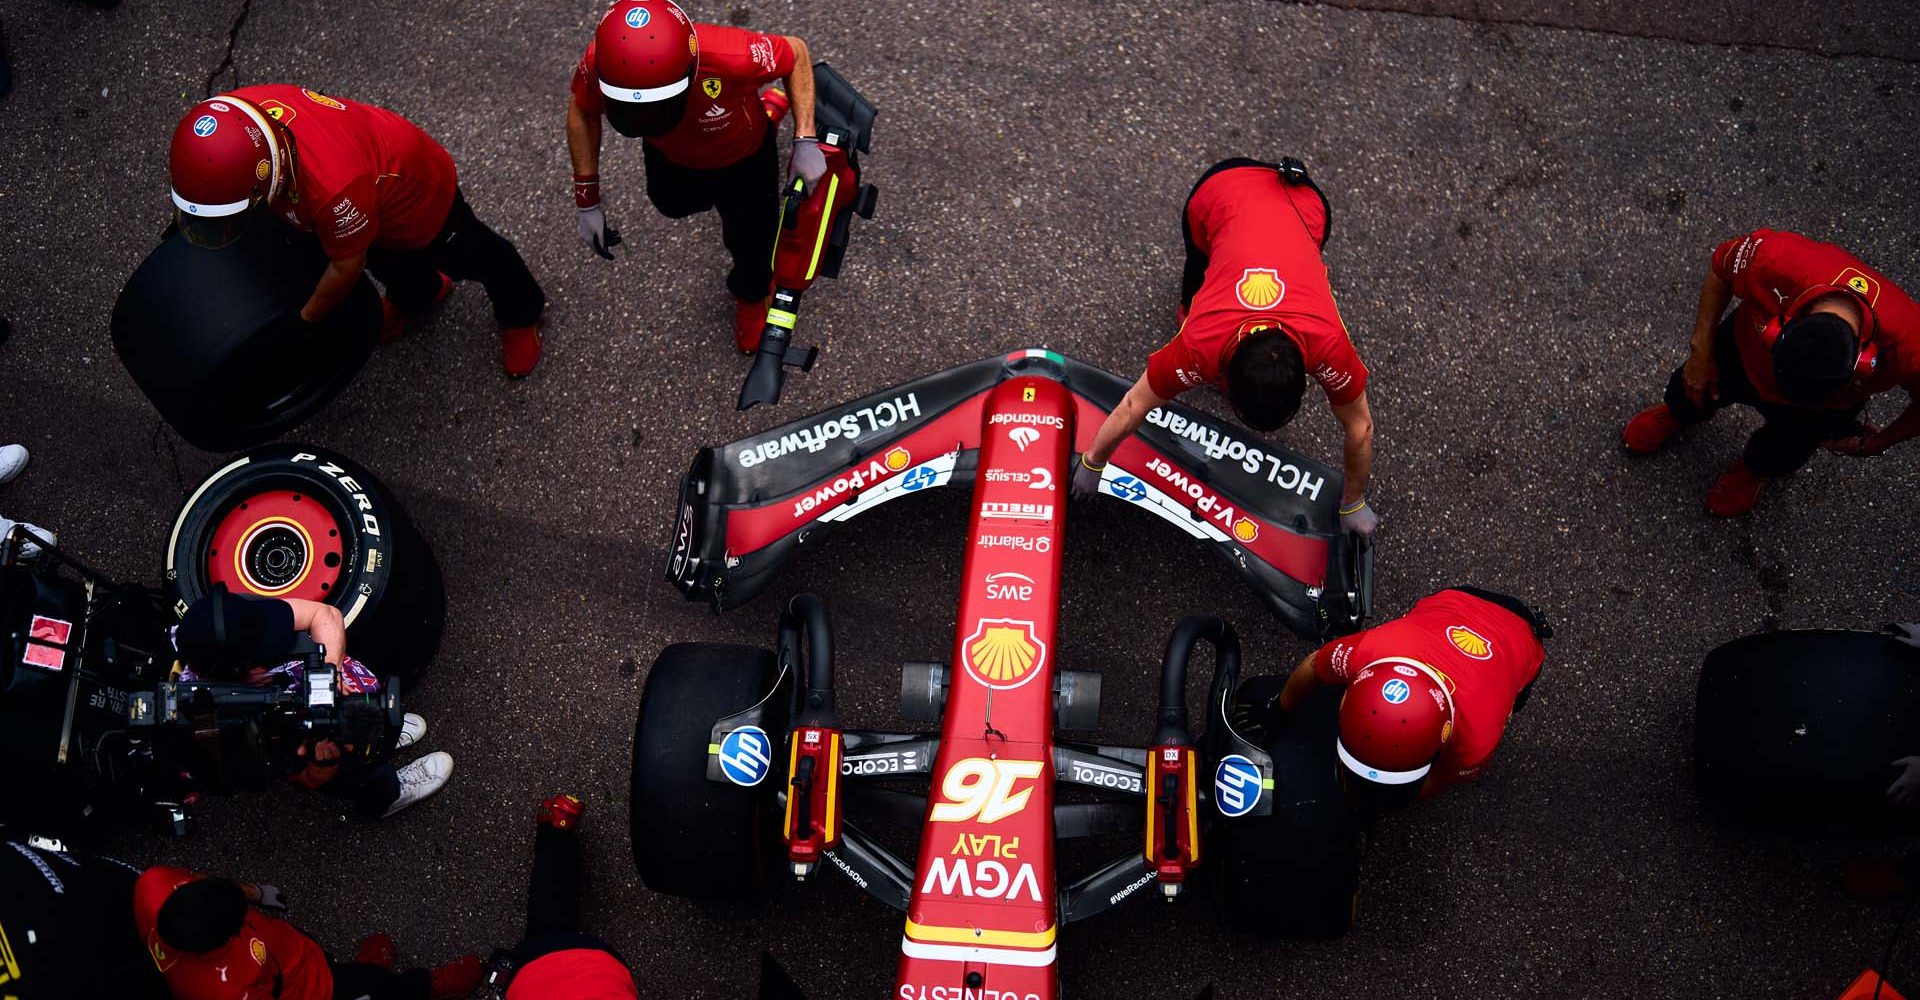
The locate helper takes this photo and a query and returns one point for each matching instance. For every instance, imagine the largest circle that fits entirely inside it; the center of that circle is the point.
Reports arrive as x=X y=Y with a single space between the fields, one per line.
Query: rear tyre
x=1799 y=729
x=292 y=521
x=694 y=837
x=1294 y=873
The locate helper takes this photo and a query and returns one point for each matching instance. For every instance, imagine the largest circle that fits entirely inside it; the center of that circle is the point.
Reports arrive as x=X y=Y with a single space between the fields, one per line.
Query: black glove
x=1904 y=632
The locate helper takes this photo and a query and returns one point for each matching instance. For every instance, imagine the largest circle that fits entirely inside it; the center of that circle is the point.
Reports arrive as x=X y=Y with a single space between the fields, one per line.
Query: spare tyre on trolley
x=293 y=521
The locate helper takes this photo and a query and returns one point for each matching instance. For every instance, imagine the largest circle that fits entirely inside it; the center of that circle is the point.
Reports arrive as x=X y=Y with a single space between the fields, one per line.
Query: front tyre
x=692 y=836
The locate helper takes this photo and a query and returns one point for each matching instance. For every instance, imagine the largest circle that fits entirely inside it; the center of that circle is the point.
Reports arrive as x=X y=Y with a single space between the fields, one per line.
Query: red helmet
x=645 y=52
x=225 y=159
x=1394 y=718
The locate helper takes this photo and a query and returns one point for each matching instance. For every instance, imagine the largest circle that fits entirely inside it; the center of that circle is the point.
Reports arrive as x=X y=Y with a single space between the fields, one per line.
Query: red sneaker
x=393 y=322
x=774 y=100
x=375 y=949
x=562 y=812
x=749 y=318
x=458 y=978
x=519 y=349
x=1736 y=492
x=1649 y=429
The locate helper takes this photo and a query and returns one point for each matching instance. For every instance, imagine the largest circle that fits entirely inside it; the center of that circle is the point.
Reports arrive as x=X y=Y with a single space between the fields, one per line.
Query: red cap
x=645 y=51
x=1394 y=718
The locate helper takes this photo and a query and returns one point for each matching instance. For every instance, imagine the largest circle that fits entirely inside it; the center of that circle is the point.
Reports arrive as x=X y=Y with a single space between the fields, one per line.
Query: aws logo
x=1260 y=287
x=1470 y=642
x=1003 y=653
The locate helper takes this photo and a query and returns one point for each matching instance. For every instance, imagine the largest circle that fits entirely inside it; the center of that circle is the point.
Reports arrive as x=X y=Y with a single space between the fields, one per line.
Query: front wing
x=746 y=507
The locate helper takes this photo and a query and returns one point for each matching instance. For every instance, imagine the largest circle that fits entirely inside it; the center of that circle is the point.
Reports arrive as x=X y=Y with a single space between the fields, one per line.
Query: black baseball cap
x=1814 y=358
x=228 y=633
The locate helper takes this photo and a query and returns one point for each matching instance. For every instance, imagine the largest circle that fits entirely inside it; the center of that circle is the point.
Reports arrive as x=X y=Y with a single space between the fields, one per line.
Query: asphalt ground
x=1524 y=195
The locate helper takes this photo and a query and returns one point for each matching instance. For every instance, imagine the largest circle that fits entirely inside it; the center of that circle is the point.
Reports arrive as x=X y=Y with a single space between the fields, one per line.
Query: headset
x=1867 y=356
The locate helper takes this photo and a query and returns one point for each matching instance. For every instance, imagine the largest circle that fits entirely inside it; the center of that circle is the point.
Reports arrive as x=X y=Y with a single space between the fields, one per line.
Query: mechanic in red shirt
x=1815 y=334
x=379 y=193
x=210 y=945
x=1257 y=317
x=1428 y=694
x=691 y=92
x=556 y=960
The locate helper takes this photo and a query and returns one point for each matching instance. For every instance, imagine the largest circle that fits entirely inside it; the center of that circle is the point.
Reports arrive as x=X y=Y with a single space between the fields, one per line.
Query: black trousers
x=1195 y=272
x=465 y=250
x=372 y=786
x=553 y=900
x=1790 y=434
x=747 y=196
x=360 y=981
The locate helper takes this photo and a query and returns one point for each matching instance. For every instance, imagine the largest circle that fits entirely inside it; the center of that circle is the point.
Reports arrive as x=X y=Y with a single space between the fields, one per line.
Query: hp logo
x=746 y=754
x=1236 y=786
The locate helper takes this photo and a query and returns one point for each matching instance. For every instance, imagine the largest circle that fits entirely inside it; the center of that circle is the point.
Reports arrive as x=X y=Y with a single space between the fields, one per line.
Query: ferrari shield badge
x=711 y=87
x=1003 y=653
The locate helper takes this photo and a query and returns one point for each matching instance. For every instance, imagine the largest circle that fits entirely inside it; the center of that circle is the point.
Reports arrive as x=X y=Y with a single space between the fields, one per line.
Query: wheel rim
x=280 y=543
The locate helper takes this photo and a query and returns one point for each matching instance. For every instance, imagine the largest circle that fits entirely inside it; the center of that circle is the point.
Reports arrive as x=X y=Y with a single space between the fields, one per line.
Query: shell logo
x=1245 y=530
x=898 y=458
x=1260 y=287
x=262 y=170
x=322 y=99
x=258 y=949
x=1470 y=642
x=1003 y=653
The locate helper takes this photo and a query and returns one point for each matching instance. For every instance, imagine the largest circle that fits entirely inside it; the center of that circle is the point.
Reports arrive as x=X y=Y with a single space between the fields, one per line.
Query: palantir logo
x=1236 y=786
x=746 y=754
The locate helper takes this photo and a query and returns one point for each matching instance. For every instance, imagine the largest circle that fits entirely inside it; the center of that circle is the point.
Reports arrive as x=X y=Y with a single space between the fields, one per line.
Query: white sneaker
x=28 y=548
x=412 y=727
x=13 y=461
x=420 y=779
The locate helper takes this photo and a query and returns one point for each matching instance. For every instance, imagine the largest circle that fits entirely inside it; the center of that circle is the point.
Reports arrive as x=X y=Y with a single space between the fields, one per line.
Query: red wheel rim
x=277 y=544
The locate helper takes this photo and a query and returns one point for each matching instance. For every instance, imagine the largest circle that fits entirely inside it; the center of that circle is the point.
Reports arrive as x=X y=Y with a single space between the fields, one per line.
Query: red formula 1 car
x=743 y=770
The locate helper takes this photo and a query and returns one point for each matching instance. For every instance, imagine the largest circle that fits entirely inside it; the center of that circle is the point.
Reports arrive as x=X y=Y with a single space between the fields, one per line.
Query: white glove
x=1359 y=519
x=595 y=232
x=1086 y=479
x=269 y=898
x=807 y=162
x=1905 y=789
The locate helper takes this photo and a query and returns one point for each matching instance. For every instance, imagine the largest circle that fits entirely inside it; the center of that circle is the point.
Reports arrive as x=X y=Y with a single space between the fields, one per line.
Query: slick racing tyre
x=215 y=340
x=691 y=836
x=1800 y=729
x=1294 y=873
x=292 y=521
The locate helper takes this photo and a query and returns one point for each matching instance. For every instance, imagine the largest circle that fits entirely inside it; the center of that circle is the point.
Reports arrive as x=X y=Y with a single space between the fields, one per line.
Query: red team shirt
x=724 y=123
x=267 y=953
x=1486 y=654
x=1775 y=272
x=1262 y=239
x=365 y=176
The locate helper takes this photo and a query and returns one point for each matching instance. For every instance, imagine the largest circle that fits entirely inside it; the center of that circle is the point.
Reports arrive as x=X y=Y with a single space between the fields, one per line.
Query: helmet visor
x=214 y=232
x=654 y=118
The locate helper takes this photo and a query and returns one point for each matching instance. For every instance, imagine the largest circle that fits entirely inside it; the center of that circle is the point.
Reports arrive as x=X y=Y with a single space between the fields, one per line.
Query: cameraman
x=556 y=960
x=229 y=637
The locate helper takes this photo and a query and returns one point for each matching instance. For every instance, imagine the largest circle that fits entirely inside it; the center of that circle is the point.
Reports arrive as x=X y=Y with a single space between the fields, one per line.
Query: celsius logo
x=204 y=125
x=638 y=17
x=1395 y=691
x=1023 y=436
x=1236 y=786
x=745 y=755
